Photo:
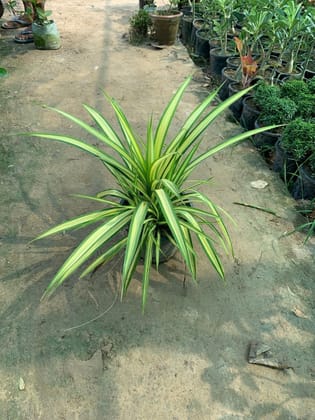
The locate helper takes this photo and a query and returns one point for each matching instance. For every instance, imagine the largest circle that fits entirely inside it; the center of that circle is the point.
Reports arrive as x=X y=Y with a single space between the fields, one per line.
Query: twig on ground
x=256 y=207
x=94 y=319
x=100 y=315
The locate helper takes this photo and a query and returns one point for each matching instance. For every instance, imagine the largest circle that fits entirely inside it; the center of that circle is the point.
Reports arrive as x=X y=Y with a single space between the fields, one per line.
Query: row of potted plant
x=291 y=104
x=162 y=23
x=280 y=34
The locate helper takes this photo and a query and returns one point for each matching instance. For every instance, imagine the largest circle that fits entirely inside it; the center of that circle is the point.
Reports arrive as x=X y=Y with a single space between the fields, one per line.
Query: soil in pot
x=281 y=74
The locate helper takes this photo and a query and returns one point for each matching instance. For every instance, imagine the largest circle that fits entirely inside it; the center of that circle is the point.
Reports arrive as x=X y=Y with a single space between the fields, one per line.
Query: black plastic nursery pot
x=304 y=186
x=237 y=107
x=186 y=29
x=218 y=60
x=250 y=113
x=202 y=47
x=284 y=163
x=166 y=27
x=265 y=140
x=168 y=250
x=281 y=74
x=227 y=77
x=309 y=71
x=233 y=62
x=186 y=10
x=197 y=24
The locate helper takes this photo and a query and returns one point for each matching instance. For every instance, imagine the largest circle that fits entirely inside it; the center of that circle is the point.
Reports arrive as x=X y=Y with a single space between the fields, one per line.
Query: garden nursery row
x=264 y=44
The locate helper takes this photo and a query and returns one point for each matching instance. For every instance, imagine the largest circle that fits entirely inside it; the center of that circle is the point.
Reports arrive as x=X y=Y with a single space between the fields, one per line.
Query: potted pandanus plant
x=154 y=200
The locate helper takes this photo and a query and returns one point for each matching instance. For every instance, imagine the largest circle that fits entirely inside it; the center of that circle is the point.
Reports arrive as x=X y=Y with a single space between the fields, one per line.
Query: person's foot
x=17 y=22
x=24 y=37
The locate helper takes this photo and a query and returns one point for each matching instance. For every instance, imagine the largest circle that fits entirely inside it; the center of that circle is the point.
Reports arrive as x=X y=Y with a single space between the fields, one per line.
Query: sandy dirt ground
x=186 y=358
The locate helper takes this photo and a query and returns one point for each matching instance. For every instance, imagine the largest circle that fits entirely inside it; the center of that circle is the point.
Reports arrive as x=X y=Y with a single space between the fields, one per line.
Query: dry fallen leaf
x=260 y=354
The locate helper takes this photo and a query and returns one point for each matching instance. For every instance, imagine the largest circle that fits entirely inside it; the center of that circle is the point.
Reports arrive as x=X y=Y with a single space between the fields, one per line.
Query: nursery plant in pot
x=272 y=108
x=198 y=23
x=298 y=141
x=202 y=47
x=308 y=64
x=45 y=32
x=153 y=198
x=256 y=26
x=302 y=94
x=292 y=25
x=294 y=147
x=253 y=104
x=166 y=23
x=245 y=76
x=222 y=26
x=186 y=29
x=304 y=186
x=242 y=68
x=275 y=111
x=228 y=75
x=140 y=23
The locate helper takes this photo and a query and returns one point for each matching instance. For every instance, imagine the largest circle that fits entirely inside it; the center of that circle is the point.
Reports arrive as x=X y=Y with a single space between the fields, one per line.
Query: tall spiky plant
x=153 y=199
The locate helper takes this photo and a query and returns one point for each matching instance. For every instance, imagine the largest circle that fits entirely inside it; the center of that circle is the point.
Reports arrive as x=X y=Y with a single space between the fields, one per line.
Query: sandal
x=24 y=37
x=16 y=23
